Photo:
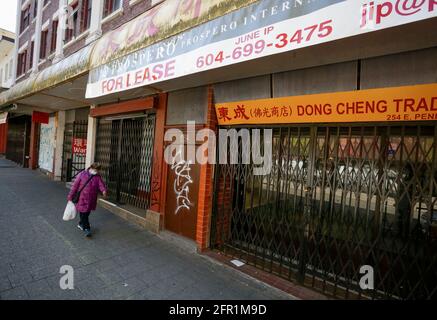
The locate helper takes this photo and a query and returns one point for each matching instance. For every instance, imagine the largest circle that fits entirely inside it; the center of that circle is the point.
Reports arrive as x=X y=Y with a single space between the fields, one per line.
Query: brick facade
x=206 y=188
x=129 y=12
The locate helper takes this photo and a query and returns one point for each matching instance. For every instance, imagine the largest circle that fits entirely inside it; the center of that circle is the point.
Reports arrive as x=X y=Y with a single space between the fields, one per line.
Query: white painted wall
x=47 y=145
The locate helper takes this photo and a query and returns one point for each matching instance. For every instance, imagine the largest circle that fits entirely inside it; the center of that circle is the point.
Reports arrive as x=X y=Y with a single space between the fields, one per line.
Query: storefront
x=128 y=145
x=352 y=179
x=344 y=190
x=18 y=144
x=74 y=143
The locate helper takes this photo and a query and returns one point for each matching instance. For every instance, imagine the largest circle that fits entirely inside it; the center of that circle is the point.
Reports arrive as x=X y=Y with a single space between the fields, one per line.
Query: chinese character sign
x=79 y=146
x=411 y=103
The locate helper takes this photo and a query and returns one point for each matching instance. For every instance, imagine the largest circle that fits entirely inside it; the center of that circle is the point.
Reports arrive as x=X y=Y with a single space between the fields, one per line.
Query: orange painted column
x=206 y=188
x=158 y=172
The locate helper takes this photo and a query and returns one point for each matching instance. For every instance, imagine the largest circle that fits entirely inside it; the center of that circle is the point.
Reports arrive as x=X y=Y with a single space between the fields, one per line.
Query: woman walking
x=84 y=193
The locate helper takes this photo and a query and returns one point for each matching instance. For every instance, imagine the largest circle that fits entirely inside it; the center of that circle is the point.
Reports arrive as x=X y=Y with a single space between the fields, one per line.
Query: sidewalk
x=121 y=261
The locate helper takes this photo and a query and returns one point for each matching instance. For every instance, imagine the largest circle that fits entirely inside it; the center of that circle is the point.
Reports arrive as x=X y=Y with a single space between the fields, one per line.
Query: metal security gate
x=73 y=163
x=18 y=144
x=337 y=199
x=125 y=149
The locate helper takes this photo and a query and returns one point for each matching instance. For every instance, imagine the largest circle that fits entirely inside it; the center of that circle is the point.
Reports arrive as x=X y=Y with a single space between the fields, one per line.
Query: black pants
x=85 y=221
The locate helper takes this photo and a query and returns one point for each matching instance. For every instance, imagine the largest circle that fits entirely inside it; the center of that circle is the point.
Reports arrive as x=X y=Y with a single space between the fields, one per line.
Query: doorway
x=124 y=148
x=18 y=144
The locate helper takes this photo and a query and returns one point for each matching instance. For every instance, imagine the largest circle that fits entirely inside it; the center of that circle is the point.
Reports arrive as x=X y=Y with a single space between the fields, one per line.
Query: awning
x=162 y=21
x=228 y=32
x=74 y=66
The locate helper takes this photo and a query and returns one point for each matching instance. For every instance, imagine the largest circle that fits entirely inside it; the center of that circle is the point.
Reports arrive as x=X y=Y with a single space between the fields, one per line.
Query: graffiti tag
x=182 y=184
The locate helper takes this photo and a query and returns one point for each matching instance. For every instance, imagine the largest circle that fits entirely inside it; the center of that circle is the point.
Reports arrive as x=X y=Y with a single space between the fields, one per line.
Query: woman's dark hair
x=96 y=166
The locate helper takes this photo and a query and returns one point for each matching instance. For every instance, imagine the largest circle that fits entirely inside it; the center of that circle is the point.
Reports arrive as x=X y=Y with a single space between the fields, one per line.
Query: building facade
x=342 y=108
x=7 y=44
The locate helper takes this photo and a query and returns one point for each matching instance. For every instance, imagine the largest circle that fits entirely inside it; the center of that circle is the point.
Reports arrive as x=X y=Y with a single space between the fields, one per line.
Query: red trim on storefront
x=159 y=184
x=124 y=107
x=3 y=137
x=34 y=145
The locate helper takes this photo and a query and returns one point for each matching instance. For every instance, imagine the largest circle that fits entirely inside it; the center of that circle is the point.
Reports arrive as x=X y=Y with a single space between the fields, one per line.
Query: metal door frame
x=118 y=139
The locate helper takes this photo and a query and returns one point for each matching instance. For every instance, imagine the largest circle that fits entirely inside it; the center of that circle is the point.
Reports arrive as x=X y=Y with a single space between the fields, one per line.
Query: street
x=121 y=261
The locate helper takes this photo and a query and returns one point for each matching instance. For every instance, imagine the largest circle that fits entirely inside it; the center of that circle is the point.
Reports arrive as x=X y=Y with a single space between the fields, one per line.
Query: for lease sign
x=264 y=28
x=412 y=103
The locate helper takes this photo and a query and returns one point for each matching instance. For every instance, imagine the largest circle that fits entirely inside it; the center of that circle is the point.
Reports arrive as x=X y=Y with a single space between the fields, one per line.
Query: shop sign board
x=79 y=146
x=262 y=29
x=40 y=117
x=410 y=103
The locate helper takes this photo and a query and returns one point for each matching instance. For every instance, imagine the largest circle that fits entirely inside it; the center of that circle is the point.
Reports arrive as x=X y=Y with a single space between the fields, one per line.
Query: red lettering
x=138 y=77
x=146 y=76
x=110 y=85
x=119 y=83
x=422 y=105
x=432 y=5
x=158 y=71
x=383 y=10
x=409 y=104
x=381 y=106
x=397 y=101
x=104 y=86
x=433 y=104
x=170 y=69
x=300 y=110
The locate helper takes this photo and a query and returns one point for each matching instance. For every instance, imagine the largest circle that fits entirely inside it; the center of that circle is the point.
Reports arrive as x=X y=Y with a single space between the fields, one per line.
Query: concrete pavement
x=121 y=261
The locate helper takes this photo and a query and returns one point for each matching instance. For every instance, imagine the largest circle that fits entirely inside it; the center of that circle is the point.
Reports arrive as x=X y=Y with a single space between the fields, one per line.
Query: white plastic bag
x=70 y=212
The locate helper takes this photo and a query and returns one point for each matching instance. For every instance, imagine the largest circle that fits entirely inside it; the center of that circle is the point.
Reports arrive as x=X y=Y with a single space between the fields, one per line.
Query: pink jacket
x=88 y=197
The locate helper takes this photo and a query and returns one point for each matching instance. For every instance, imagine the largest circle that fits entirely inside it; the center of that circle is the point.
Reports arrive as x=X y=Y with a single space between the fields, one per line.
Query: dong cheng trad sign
x=413 y=103
x=262 y=29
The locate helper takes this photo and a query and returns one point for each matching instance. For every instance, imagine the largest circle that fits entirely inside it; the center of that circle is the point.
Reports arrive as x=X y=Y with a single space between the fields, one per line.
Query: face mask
x=93 y=172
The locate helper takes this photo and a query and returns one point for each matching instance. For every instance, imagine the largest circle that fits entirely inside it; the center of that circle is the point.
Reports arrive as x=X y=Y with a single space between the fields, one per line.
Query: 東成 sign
x=79 y=146
x=412 y=103
x=264 y=28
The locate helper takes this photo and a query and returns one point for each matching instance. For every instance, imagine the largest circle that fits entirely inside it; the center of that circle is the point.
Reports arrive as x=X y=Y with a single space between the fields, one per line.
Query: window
x=21 y=63
x=25 y=19
x=70 y=33
x=43 y=50
x=46 y=2
x=85 y=15
x=111 y=6
x=32 y=49
x=6 y=72
x=54 y=36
